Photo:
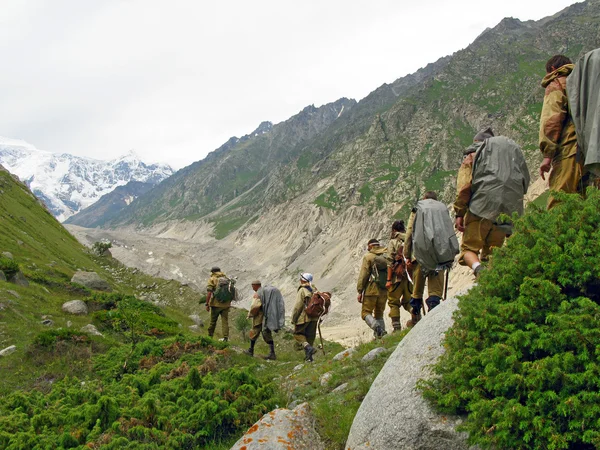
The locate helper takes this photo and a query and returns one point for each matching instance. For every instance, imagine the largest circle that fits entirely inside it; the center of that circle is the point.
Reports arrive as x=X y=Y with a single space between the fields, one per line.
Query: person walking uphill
x=398 y=284
x=268 y=314
x=492 y=180
x=305 y=327
x=558 y=139
x=372 y=292
x=219 y=294
x=431 y=246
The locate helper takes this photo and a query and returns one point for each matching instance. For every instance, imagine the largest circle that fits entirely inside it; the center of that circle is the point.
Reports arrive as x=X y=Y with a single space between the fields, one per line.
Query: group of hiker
x=267 y=311
x=491 y=184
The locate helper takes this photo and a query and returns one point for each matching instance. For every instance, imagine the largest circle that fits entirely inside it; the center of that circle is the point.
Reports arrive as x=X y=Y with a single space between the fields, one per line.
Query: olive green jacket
x=366 y=283
x=211 y=286
x=299 y=315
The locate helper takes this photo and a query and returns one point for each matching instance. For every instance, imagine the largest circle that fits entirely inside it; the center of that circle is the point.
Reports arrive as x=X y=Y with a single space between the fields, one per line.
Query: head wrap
x=483 y=135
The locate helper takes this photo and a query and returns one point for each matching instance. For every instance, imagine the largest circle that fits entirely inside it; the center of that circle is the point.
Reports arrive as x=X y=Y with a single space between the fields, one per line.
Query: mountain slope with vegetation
x=148 y=381
x=382 y=152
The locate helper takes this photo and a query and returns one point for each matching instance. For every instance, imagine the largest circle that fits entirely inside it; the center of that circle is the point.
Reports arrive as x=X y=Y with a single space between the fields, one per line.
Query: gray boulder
x=344 y=354
x=324 y=380
x=19 y=279
x=8 y=350
x=403 y=418
x=282 y=429
x=2 y=276
x=77 y=307
x=373 y=354
x=341 y=388
x=48 y=322
x=91 y=329
x=13 y=293
x=196 y=319
x=194 y=328
x=8 y=255
x=91 y=280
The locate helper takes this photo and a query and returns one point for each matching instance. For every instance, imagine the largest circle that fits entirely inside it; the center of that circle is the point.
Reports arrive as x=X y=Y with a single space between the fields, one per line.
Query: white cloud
x=175 y=79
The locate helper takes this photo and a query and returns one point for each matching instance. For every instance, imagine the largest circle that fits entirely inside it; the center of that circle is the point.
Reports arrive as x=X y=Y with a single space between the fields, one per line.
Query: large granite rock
x=91 y=329
x=77 y=307
x=283 y=429
x=91 y=280
x=399 y=417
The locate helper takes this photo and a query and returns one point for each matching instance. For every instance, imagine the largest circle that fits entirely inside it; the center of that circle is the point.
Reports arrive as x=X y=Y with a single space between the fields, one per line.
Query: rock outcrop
x=403 y=418
x=77 y=307
x=19 y=279
x=91 y=280
x=283 y=429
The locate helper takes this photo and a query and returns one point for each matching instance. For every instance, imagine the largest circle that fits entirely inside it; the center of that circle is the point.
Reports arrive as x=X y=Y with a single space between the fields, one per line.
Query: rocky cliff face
x=308 y=193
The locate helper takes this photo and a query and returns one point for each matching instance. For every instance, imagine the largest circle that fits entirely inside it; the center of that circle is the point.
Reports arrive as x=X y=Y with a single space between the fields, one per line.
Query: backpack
x=399 y=268
x=226 y=291
x=379 y=270
x=583 y=92
x=318 y=305
x=500 y=179
x=434 y=243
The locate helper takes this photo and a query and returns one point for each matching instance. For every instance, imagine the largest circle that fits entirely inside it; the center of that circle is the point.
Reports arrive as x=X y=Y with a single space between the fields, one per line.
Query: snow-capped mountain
x=67 y=183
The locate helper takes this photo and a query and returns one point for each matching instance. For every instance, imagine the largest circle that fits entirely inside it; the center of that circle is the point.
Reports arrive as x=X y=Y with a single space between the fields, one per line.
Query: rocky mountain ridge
x=67 y=183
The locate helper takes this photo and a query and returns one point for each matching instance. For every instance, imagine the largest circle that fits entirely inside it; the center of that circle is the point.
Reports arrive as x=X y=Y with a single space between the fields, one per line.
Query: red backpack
x=319 y=304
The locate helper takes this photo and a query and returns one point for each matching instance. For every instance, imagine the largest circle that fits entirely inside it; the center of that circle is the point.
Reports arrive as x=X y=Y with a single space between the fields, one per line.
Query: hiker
x=583 y=92
x=372 y=292
x=492 y=180
x=431 y=251
x=218 y=301
x=268 y=314
x=558 y=139
x=398 y=285
x=305 y=327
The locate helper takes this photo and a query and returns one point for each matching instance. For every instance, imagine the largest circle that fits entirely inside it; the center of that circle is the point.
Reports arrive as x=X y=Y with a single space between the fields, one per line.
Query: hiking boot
x=396 y=324
x=416 y=304
x=249 y=352
x=381 y=330
x=433 y=301
x=271 y=356
x=309 y=351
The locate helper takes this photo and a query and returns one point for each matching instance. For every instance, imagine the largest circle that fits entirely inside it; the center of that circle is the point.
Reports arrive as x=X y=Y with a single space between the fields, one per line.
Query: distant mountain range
x=66 y=183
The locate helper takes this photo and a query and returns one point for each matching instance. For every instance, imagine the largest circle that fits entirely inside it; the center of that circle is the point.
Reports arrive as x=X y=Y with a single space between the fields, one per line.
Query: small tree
x=100 y=247
x=242 y=324
x=128 y=319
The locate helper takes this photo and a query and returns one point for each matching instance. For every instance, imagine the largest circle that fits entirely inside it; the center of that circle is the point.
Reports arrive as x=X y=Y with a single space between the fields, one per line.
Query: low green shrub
x=523 y=356
x=49 y=338
x=168 y=399
x=8 y=266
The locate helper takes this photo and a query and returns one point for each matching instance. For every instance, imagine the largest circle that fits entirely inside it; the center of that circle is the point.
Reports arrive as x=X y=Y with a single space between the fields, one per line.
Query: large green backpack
x=379 y=270
x=225 y=291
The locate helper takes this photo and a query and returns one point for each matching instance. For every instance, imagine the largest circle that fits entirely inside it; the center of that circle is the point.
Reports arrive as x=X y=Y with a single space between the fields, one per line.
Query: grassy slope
x=49 y=255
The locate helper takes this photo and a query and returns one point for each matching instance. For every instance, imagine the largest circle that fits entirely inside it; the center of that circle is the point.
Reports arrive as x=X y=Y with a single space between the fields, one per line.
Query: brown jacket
x=557 y=130
x=464 y=182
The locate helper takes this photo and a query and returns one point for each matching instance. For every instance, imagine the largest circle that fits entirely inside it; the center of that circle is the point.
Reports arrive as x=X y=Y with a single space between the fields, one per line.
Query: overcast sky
x=174 y=79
